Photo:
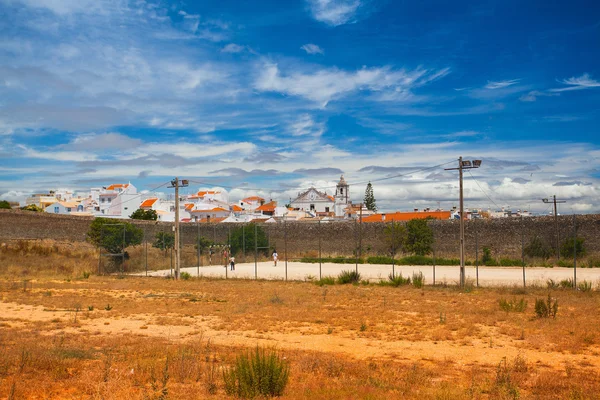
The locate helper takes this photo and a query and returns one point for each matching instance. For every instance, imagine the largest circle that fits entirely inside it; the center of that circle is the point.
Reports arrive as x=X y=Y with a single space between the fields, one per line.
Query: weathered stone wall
x=503 y=236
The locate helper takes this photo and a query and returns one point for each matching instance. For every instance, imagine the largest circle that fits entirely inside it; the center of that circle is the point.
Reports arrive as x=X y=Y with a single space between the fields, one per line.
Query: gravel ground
x=488 y=276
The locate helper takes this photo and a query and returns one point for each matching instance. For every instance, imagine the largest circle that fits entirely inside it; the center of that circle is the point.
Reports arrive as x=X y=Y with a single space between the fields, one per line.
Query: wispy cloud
x=534 y=94
x=312 y=49
x=334 y=12
x=325 y=85
x=233 y=48
x=501 y=84
x=584 y=81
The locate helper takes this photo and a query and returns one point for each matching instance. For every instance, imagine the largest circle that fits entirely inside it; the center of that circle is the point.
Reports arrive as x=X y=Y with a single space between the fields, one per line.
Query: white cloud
x=334 y=12
x=325 y=85
x=67 y=7
x=534 y=94
x=102 y=141
x=311 y=48
x=584 y=81
x=52 y=154
x=501 y=84
x=306 y=126
x=232 y=48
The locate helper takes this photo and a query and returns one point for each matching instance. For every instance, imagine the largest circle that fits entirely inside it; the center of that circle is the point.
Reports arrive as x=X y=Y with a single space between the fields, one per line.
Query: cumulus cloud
x=334 y=12
x=312 y=49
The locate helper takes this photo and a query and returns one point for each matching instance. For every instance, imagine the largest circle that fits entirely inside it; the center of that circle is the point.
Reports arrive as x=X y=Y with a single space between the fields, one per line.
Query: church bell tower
x=342 y=196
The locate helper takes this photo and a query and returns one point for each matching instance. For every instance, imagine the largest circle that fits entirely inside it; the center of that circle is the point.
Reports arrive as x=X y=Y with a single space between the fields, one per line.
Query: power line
x=326 y=187
x=143 y=194
x=486 y=195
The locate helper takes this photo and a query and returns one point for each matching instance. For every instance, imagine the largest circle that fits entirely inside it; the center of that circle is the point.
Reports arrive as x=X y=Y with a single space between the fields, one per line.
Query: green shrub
x=487 y=255
x=545 y=309
x=257 y=373
x=185 y=276
x=419 y=237
x=86 y=274
x=566 y=283
x=565 y=263
x=397 y=280
x=346 y=277
x=507 y=262
x=513 y=305
x=380 y=260
x=568 y=246
x=585 y=286
x=551 y=284
x=538 y=248
x=418 y=280
x=326 y=280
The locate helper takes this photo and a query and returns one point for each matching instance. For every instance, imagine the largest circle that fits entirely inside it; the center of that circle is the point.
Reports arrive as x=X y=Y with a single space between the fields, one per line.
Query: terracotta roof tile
x=148 y=202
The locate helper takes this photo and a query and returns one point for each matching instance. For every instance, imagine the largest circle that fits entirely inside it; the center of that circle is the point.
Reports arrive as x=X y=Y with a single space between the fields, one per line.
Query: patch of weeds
x=585 y=286
x=185 y=276
x=396 y=281
x=326 y=280
x=513 y=305
x=275 y=299
x=346 y=277
x=551 y=284
x=90 y=308
x=363 y=327
x=47 y=293
x=442 y=317
x=546 y=309
x=329 y=331
x=504 y=385
x=108 y=307
x=86 y=274
x=418 y=279
x=257 y=373
x=566 y=283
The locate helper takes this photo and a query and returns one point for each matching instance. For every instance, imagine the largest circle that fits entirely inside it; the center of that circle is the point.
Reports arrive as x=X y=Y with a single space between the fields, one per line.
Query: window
x=126 y=208
x=102 y=200
x=68 y=209
x=312 y=207
x=326 y=209
x=109 y=199
x=341 y=190
x=56 y=210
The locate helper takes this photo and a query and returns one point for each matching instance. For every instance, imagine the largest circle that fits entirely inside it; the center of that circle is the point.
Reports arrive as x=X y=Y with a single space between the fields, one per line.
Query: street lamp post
x=462 y=165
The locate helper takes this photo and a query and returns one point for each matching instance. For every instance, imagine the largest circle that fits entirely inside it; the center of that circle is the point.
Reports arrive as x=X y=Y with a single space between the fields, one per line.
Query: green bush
x=326 y=280
x=545 y=309
x=566 y=283
x=346 y=277
x=185 y=276
x=418 y=280
x=396 y=281
x=380 y=260
x=419 y=237
x=507 y=262
x=568 y=246
x=585 y=286
x=86 y=274
x=538 y=248
x=513 y=305
x=257 y=373
x=487 y=255
x=551 y=284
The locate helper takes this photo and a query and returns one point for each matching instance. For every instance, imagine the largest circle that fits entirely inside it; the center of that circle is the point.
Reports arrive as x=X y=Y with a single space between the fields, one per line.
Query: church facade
x=315 y=201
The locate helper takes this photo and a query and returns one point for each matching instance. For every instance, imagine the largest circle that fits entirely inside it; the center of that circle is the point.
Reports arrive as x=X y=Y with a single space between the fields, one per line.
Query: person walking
x=232 y=263
x=275 y=258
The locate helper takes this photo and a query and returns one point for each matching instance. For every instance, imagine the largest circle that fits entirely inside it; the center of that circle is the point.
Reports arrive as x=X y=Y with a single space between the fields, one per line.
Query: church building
x=317 y=202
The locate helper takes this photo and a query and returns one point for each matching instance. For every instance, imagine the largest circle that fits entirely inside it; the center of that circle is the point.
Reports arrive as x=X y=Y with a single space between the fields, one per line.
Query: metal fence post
x=285 y=247
x=523 y=250
x=355 y=248
x=146 y=246
x=244 y=241
x=393 y=249
x=198 y=246
x=433 y=251
x=255 y=251
x=319 y=234
x=574 y=252
x=476 y=255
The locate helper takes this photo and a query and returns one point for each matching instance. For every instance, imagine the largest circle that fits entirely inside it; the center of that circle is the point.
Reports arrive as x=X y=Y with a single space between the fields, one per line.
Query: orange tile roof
x=201 y=194
x=218 y=209
x=235 y=207
x=269 y=207
x=213 y=220
x=252 y=199
x=117 y=186
x=407 y=216
x=189 y=206
x=148 y=202
x=331 y=198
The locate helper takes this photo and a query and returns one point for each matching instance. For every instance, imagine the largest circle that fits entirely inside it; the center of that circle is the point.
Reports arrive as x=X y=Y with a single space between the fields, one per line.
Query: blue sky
x=271 y=97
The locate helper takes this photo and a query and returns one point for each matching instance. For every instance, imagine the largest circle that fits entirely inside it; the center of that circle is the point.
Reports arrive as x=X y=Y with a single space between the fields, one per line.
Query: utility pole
x=554 y=201
x=176 y=183
x=463 y=165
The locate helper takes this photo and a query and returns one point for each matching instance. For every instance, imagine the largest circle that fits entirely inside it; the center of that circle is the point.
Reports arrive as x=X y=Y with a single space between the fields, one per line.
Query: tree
x=148 y=215
x=370 y=198
x=538 y=248
x=419 y=237
x=164 y=241
x=114 y=237
x=568 y=246
x=5 y=205
x=237 y=239
x=394 y=237
x=203 y=244
x=32 y=207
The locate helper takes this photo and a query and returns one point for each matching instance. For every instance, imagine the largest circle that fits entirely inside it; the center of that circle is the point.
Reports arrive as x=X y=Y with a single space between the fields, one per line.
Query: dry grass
x=143 y=338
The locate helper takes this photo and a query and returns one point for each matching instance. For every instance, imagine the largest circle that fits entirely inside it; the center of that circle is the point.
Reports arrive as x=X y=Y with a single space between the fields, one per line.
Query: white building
x=65 y=207
x=317 y=202
x=118 y=200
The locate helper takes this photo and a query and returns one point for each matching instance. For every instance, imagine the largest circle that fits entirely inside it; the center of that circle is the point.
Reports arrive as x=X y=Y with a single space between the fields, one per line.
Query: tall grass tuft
x=418 y=279
x=545 y=309
x=397 y=280
x=257 y=373
x=346 y=277
x=513 y=305
x=584 y=286
x=326 y=280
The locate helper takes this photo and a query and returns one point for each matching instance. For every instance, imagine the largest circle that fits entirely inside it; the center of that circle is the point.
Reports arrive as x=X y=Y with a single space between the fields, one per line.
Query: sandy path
x=488 y=276
x=476 y=351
